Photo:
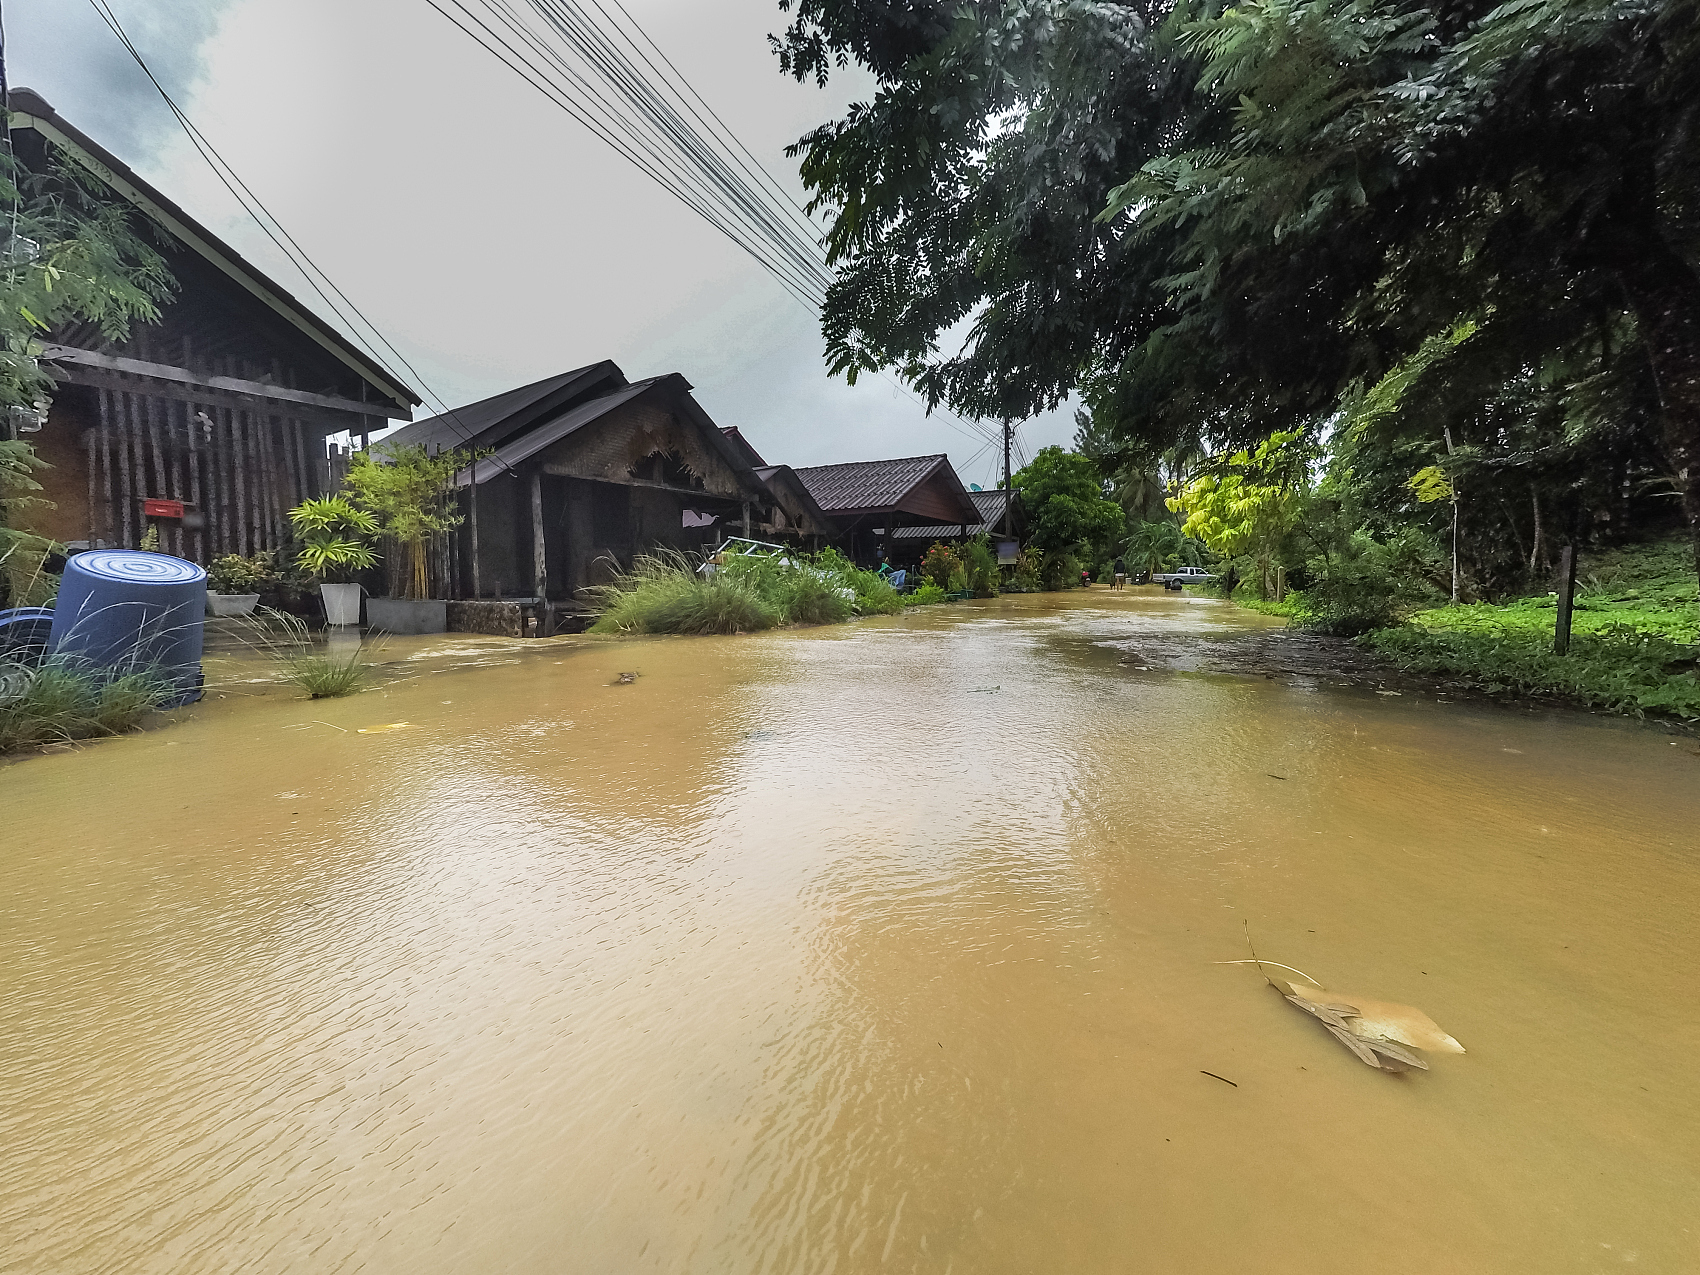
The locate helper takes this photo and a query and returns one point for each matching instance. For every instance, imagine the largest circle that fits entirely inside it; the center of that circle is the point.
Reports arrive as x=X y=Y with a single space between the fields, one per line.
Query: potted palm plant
x=234 y=583
x=333 y=534
x=407 y=490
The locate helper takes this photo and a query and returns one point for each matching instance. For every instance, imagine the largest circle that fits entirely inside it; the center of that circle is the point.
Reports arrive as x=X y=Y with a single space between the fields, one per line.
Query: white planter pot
x=232 y=603
x=407 y=615
x=342 y=603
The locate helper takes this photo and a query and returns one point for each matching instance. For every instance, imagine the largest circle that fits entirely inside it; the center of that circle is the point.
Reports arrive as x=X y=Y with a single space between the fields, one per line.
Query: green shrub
x=64 y=702
x=1367 y=583
x=940 y=564
x=980 y=565
x=927 y=594
x=1060 y=571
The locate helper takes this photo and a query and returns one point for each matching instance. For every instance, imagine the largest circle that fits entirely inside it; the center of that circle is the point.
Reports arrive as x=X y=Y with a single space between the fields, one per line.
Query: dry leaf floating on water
x=1383 y=1034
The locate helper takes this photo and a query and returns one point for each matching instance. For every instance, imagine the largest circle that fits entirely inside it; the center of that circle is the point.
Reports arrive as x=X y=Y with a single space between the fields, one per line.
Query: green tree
x=1220 y=223
x=75 y=253
x=406 y=490
x=1248 y=509
x=1067 y=511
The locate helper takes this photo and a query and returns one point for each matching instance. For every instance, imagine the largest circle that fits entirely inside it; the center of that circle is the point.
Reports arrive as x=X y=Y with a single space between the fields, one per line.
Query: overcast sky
x=486 y=233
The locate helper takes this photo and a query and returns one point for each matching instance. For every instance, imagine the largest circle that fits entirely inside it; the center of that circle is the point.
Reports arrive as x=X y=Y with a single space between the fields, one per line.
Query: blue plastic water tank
x=25 y=633
x=128 y=611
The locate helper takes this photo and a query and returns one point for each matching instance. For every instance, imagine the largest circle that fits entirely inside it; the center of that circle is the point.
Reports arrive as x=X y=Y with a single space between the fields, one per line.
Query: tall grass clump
x=664 y=593
x=285 y=638
x=325 y=676
x=61 y=701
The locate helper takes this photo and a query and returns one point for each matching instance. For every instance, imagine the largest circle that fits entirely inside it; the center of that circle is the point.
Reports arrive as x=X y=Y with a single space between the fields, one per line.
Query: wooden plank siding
x=241 y=471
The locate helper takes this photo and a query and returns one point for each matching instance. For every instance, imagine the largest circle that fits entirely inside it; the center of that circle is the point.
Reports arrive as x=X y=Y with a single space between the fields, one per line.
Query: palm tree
x=1152 y=544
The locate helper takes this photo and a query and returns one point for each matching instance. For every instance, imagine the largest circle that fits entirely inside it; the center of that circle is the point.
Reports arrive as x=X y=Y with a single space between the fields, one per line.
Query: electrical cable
x=298 y=257
x=638 y=123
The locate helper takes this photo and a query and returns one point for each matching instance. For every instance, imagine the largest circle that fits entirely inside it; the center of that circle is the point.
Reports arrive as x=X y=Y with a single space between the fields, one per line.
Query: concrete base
x=407 y=615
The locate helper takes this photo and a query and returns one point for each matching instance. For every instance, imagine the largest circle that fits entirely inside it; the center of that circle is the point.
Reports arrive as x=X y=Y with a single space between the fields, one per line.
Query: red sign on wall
x=162 y=508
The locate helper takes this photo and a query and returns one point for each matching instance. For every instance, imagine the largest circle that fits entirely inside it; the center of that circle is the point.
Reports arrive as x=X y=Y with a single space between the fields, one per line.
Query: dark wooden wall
x=240 y=470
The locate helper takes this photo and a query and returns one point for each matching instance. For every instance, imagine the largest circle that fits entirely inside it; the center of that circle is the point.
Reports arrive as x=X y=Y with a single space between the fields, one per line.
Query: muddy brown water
x=884 y=947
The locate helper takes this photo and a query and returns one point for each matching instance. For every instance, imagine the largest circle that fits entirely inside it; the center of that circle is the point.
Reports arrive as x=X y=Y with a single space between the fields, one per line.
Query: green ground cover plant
x=1634 y=645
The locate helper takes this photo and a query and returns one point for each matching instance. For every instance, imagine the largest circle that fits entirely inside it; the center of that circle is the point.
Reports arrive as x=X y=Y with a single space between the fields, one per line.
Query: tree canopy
x=1213 y=224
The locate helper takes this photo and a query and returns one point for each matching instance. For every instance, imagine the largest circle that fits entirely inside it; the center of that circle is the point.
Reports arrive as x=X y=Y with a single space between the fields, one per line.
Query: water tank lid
x=132 y=566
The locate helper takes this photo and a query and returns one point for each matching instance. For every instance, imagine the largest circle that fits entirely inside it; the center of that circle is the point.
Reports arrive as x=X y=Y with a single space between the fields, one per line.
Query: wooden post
x=472 y=523
x=746 y=520
x=1566 y=600
x=126 y=471
x=540 y=558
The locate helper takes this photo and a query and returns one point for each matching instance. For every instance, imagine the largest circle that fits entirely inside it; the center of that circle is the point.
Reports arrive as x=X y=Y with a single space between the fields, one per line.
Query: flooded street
x=893 y=946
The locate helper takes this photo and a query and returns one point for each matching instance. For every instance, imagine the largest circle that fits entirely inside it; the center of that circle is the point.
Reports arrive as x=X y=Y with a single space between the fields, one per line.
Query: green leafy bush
x=940 y=563
x=980 y=566
x=926 y=595
x=232 y=573
x=1366 y=583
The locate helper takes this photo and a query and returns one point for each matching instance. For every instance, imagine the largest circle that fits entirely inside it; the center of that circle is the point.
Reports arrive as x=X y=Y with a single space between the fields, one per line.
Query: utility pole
x=1008 y=515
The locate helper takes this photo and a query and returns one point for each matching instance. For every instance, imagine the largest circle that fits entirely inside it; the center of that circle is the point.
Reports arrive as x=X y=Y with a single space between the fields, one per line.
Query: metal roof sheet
x=869 y=485
x=493 y=421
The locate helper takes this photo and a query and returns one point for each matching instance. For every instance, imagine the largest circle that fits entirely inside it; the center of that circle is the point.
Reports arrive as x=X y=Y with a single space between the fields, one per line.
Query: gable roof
x=528 y=444
x=752 y=458
x=29 y=110
x=541 y=433
x=989 y=503
x=881 y=486
x=794 y=498
x=493 y=421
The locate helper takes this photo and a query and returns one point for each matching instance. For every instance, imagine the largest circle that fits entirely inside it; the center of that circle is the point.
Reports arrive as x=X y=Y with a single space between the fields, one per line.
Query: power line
x=583 y=70
x=297 y=256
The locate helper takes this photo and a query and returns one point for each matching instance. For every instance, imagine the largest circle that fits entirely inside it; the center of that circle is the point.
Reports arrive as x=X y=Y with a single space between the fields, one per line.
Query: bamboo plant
x=406 y=490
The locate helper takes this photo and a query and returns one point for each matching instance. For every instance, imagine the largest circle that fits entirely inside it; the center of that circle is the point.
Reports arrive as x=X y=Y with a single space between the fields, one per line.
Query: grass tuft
x=667 y=592
x=324 y=676
x=60 y=701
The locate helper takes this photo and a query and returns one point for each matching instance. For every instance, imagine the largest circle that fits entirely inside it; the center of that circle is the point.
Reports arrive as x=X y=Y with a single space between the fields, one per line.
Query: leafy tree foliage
x=75 y=254
x=1216 y=224
x=1063 y=493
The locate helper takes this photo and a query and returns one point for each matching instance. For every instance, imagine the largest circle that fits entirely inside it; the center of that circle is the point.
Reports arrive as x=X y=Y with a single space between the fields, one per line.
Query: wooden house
x=587 y=469
x=872 y=501
x=209 y=424
x=1002 y=520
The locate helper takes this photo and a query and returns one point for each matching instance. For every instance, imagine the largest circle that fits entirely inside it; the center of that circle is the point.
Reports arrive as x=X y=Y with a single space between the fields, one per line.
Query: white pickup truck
x=1186 y=575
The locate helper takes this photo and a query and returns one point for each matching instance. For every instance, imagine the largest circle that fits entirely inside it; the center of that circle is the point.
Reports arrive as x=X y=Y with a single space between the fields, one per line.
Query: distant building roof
x=922 y=486
x=991 y=506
